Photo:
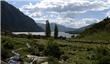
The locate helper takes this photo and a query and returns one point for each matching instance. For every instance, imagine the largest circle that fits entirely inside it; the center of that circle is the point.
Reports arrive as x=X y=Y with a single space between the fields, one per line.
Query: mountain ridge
x=79 y=30
x=13 y=20
x=101 y=27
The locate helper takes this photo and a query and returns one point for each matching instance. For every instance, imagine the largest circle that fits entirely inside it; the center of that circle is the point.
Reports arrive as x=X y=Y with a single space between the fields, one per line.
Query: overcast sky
x=71 y=13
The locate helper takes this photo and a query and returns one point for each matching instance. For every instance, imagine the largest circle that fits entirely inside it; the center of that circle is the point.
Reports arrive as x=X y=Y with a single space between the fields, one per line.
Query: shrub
x=29 y=36
x=53 y=50
x=103 y=55
x=52 y=60
x=5 y=53
x=104 y=60
x=7 y=44
x=64 y=57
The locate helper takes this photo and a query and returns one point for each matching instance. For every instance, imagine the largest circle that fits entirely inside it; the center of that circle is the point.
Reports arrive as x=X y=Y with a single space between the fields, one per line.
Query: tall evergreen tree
x=48 y=30
x=55 y=31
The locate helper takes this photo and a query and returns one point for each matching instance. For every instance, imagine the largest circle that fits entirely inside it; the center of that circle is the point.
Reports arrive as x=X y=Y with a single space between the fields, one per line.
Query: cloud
x=108 y=14
x=81 y=22
x=65 y=11
x=73 y=5
x=74 y=23
x=65 y=7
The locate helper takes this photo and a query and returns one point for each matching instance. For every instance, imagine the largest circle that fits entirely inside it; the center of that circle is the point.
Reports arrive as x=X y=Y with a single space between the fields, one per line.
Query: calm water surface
x=63 y=34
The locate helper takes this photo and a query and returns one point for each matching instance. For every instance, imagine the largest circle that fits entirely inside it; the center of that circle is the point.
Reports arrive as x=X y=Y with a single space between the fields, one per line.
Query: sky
x=71 y=13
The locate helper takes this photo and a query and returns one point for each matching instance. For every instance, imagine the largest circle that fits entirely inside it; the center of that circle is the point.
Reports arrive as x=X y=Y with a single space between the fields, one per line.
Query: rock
x=37 y=59
x=44 y=63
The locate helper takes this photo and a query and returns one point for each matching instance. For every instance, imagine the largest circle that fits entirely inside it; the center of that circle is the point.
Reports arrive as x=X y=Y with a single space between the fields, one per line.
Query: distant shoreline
x=63 y=34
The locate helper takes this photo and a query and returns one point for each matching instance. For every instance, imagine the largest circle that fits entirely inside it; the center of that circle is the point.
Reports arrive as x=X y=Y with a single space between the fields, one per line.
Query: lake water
x=63 y=34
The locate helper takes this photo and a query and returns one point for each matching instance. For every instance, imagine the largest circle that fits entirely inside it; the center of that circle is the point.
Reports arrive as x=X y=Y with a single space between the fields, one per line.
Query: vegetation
x=53 y=50
x=100 y=36
x=56 y=31
x=48 y=30
x=58 y=51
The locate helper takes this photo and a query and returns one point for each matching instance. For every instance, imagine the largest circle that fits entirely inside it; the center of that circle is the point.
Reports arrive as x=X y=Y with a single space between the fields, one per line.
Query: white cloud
x=82 y=22
x=80 y=7
x=65 y=6
x=36 y=14
x=64 y=11
x=55 y=3
x=108 y=14
x=68 y=5
x=74 y=23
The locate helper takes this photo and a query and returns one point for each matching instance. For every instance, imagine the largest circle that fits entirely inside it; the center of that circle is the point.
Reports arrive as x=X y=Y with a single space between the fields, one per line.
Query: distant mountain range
x=61 y=28
x=80 y=30
x=13 y=20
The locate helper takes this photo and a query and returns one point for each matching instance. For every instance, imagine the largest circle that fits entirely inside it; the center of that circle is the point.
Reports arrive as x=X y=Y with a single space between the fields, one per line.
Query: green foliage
x=5 y=48
x=56 y=31
x=58 y=50
x=53 y=60
x=104 y=36
x=104 y=60
x=107 y=27
x=64 y=57
x=53 y=50
x=29 y=36
x=103 y=55
x=34 y=51
x=7 y=44
x=48 y=30
x=5 y=53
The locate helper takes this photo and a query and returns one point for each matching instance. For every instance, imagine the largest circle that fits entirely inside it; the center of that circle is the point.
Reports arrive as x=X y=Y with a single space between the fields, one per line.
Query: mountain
x=79 y=30
x=13 y=20
x=98 y=32
x=103 y=26
x=61 y=28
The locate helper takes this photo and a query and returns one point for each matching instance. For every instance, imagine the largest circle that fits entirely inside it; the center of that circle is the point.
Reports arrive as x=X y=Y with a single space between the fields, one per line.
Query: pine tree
x=55 y=31
x=48 y=30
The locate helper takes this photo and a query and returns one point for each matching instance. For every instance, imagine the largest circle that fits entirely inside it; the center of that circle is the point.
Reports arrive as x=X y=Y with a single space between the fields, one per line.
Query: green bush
x=5 y=53
x=53 y=50
x=103 y=55
x=104 y=60
x=6 y=43
x=52 y=60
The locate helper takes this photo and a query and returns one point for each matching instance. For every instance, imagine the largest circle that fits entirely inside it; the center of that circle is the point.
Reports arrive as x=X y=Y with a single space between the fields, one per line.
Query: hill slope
x=14 y=20
x=103 y=26
x=99 y=31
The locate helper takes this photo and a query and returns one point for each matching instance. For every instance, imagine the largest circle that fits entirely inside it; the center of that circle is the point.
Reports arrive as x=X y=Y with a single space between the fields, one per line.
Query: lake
x=63 y=34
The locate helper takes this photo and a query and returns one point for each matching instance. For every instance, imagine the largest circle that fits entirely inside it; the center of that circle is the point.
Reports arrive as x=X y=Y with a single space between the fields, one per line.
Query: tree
x=48 y=30
x=56 y=31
